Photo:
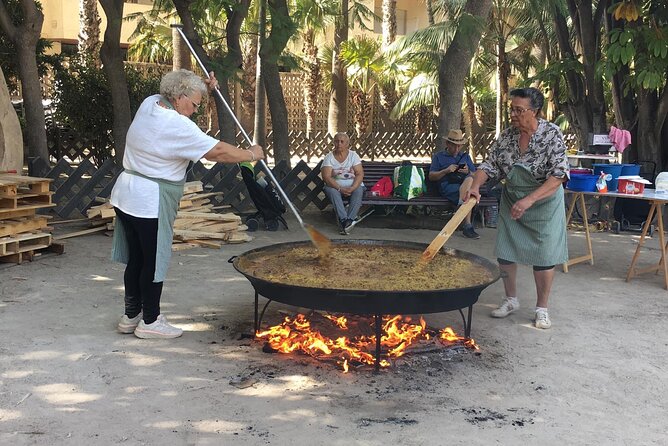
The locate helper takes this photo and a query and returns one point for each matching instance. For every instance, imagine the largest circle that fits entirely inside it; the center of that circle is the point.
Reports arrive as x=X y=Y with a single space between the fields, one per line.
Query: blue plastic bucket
x=582 y=182
x=630 y=169
x=615 y=170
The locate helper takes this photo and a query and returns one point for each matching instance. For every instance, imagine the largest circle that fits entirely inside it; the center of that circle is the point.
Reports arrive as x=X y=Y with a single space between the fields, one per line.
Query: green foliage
x=8 y=56
x=83 y=101
x=642 y=48
x=363 y=61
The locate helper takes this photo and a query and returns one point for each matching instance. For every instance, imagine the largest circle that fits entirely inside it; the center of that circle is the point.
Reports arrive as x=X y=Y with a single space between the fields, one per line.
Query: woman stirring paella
x=531 y=157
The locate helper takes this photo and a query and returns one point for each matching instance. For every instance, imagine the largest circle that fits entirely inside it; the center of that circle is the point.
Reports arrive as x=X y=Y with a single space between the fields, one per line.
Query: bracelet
x=252 y=154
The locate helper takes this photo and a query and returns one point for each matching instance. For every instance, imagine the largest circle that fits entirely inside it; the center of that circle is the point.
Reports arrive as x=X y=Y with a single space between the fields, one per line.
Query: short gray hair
x=341 y=134
x=536 y=98
x=181 y=82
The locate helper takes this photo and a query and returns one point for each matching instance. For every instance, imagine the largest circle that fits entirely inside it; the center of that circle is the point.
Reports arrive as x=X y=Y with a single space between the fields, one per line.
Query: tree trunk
x=430 y=12
x=112 y=60
x=25 y=37
x=337 y=114
x=181 y=58
x=454 y=67
x=282 y=29
x=278 y=112
x=502 y=74
x=260 y=121
x=89 y=31
x=576 y=108
x=388 y=94
x=226 y=125
x=312 y=79
x=585 y=103
x=248 y=85
x=652 y=113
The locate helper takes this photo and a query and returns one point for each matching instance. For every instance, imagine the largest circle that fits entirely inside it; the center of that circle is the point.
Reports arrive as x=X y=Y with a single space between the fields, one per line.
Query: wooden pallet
x=22 y=243
x=17 y=225
x=31 y=254
x=23 y=193
x=12 y=185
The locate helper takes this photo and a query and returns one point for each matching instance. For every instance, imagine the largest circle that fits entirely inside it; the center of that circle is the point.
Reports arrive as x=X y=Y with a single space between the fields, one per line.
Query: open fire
x=298 y=334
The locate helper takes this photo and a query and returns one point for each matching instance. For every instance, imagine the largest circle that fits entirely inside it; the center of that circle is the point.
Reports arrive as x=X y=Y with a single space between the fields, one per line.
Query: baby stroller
x=270 y=207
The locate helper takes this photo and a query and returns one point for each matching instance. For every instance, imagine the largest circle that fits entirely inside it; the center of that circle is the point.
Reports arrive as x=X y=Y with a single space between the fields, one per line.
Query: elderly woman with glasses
x=531 y=157
x=160 y=143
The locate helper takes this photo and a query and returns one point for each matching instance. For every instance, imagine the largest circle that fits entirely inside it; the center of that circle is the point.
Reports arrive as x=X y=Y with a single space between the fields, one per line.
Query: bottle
x=601 y=183
x=662 y=183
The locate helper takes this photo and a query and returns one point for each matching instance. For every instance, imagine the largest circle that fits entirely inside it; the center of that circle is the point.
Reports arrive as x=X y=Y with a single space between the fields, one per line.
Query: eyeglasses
x=195 y=104
x=517 y=110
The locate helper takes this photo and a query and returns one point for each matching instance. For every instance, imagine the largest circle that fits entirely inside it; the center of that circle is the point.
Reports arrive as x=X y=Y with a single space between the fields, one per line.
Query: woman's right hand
x=472 y=192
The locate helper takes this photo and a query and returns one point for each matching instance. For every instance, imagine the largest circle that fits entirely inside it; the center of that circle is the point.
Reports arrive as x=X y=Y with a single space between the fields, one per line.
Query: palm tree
x=337 y=111
x=388 y=94
x=89 y=30
x=312 y=17
x=363 y=61
x=413 y=62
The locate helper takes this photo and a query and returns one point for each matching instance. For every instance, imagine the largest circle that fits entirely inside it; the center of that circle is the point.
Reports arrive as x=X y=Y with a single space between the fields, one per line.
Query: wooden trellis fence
x=374 y=146
x=76 y=187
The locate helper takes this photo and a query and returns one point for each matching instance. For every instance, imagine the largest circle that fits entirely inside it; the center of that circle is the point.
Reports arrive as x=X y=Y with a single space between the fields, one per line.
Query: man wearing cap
x=452 y=169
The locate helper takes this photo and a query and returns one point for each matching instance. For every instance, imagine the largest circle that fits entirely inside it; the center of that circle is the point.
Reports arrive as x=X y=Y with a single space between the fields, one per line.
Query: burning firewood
x=351 y=340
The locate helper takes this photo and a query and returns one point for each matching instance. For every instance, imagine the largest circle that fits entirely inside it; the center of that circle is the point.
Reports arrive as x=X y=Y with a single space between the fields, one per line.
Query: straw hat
x=456 y=137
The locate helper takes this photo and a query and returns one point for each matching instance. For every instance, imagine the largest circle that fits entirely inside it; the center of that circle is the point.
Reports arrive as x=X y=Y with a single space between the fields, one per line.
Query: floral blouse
x=546 y=154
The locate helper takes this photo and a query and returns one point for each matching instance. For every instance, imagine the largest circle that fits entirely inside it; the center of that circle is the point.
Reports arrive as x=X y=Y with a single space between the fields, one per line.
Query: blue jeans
x=354 y=204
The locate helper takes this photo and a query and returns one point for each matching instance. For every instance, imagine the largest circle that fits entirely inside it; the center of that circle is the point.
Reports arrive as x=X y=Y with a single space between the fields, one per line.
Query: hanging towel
x=619 y=138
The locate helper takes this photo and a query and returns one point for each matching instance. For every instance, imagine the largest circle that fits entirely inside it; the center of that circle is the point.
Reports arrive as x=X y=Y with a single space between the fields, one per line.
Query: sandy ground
x=598 y=377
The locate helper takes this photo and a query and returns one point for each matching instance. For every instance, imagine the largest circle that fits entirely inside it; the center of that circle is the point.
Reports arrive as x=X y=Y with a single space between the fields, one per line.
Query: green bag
x=409 y=182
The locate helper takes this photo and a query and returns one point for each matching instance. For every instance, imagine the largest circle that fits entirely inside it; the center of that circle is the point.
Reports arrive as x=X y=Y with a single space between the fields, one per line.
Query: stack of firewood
x=197 y=223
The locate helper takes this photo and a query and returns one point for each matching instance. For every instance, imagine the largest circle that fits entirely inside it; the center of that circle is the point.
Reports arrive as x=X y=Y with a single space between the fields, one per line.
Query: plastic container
x=582 y=182
x=632 y=185
x=613 y=169
x=580 y=171
x=630 y=170
x=661 y=183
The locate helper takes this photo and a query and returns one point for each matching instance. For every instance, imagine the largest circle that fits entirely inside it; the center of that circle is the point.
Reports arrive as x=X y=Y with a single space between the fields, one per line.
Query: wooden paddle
x=448 y=230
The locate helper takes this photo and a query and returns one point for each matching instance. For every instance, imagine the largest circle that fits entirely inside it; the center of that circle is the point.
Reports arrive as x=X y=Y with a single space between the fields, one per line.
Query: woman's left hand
x=520 y=207
x=211 y=82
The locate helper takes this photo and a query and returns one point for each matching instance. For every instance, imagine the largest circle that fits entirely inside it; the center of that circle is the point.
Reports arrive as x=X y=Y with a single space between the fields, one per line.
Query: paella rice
x=365 y=267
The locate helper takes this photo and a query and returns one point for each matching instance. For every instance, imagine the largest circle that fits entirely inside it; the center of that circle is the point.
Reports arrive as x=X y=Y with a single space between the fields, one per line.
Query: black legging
x=535 y=268
x=141 y=293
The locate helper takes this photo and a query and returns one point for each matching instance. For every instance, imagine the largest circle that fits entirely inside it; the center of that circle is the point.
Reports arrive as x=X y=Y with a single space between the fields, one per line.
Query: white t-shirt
x=343 y=173
x=159 y=144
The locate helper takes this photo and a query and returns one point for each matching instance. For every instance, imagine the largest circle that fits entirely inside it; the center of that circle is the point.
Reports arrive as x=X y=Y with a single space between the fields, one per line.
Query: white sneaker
x=127 y=325
x=542 y=319
x=507 y=306
x=159 y=329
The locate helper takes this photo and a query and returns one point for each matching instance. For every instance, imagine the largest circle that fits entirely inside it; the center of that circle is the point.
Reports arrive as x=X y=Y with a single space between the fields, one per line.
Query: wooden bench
x=375 y=170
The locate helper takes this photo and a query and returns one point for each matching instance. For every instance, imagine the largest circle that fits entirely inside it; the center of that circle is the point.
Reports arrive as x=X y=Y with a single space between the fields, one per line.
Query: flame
x=398 y=333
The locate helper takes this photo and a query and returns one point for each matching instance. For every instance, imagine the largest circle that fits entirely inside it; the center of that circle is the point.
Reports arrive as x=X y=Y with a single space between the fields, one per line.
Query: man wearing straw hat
x=452 y=169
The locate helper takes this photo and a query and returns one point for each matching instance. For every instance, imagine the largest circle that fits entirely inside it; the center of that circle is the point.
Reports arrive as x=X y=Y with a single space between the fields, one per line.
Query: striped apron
x=170 y=193
x=539 y=237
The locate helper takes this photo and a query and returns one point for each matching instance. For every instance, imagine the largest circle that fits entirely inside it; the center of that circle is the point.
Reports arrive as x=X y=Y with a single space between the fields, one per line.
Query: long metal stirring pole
x=268 y=171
